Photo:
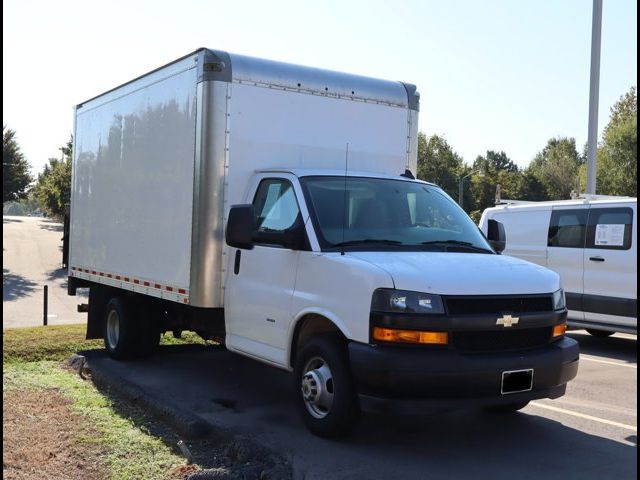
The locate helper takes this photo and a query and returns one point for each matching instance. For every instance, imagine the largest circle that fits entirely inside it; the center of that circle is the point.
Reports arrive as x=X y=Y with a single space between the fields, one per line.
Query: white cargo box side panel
x=274 y=128
x=132 y=191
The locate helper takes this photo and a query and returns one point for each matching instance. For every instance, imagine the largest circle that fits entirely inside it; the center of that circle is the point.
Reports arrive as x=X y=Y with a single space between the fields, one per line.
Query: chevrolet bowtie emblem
x=507 y=320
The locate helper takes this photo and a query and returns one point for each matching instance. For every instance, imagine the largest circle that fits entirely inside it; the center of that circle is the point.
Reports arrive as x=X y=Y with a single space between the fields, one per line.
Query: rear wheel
x=600 y=333
x=324 y=390
x=121 y=337
x=507 y=408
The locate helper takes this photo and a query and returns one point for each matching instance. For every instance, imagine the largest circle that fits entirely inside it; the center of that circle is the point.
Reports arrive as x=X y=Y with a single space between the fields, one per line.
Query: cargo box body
x=158 y=161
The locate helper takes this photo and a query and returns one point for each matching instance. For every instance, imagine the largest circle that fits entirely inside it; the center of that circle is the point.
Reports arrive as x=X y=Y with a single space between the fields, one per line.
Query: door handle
x=236 y=263
x=596 y=259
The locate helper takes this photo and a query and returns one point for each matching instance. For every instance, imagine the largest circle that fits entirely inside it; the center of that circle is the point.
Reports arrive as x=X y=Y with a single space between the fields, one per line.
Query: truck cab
x=380 y=293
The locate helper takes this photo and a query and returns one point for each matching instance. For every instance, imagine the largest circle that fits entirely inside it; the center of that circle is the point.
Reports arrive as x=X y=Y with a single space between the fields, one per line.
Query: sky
x=493 y=74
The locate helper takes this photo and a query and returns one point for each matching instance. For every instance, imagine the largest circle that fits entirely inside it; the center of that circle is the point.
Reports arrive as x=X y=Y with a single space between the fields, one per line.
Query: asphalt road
x=31 y=259
x=590 y=433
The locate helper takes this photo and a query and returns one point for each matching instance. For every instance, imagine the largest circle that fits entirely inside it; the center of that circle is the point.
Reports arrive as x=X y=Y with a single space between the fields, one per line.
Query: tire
x=600 y=333
x=121 y=333
x=324 y=390
x=507 y=408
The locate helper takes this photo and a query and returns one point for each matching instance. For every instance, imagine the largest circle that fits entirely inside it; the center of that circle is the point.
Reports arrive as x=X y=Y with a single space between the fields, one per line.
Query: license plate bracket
x=516 y=381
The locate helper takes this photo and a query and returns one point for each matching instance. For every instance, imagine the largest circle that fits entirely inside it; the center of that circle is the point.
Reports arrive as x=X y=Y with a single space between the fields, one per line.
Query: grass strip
x=32 y=360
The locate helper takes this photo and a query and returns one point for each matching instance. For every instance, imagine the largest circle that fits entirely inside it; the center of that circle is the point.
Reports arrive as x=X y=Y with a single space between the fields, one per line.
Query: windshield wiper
x=457 y=243
x=367 y=241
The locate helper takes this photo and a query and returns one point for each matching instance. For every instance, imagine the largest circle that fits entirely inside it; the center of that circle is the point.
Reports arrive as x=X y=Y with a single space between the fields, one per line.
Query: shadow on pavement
x=10 y=220
x=62 y=274
x=56 y=274
x=51 y=225
x=239 y=394
x=615 y=348
x=14 y=286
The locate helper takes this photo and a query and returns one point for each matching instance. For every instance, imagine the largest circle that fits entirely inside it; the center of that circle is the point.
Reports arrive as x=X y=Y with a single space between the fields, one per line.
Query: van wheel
x=599 y=333
x=121 y=335
x=507 y=408
x=324 y=390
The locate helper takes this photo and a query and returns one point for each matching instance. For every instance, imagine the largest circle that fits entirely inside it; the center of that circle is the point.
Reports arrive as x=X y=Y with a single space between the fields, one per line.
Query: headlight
x=559 y=302
x=389 y=300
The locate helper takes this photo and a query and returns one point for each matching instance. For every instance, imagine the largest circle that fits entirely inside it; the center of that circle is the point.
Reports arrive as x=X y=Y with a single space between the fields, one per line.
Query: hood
x=449 y=273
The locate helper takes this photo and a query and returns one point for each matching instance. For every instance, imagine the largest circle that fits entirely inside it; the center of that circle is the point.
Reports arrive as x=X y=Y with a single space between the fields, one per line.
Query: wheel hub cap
x=317 y=387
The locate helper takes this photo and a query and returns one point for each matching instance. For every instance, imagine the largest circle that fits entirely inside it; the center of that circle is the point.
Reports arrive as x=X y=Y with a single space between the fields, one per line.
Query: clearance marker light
x=410 y=336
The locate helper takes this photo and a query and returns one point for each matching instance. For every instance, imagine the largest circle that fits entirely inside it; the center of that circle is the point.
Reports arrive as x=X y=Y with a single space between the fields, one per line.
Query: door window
x=610 y=228
x=568 y=228
x=276 y=205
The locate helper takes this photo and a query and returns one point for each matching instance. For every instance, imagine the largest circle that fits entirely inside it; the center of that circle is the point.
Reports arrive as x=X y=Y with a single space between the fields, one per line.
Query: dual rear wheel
x=129 y=332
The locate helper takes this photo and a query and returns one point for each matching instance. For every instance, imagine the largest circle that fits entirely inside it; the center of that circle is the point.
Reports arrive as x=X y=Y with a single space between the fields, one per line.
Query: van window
x=568 y=228
x=610 y=228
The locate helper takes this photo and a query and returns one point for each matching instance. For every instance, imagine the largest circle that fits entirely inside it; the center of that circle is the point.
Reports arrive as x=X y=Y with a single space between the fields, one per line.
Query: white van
x=592 y=244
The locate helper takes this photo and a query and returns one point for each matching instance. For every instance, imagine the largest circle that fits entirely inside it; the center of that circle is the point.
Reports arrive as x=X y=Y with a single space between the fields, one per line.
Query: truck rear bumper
x=417 y=380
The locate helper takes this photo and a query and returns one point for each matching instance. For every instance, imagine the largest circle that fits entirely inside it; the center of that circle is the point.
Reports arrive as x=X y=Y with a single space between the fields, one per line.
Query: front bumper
x=417 y=380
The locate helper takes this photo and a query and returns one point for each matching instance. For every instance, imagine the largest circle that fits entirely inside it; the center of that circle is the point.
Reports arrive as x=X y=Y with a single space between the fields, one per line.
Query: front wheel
x=324 y=390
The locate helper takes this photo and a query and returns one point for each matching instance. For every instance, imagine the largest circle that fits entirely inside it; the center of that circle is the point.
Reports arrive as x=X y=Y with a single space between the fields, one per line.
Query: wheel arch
x=310 y=323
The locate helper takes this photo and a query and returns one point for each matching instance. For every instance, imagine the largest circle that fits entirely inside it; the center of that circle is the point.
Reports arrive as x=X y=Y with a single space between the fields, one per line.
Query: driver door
x=261 y=281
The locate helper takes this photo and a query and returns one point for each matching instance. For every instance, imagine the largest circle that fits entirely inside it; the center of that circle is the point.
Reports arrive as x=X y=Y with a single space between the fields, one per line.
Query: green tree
x=495 y=161
x=497 y=169
x=532 y=188
x=15 y=168
x=22 y=207
x=557 y=168
x=53 y=188
x=617 y=158
x=438 y=163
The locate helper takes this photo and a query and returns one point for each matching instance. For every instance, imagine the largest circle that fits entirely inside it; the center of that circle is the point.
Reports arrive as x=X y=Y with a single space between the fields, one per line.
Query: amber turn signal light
x=559 y=329
x=410 y=336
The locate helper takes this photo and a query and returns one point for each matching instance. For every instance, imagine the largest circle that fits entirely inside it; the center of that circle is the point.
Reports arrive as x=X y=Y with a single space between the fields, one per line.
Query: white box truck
x=272 y=207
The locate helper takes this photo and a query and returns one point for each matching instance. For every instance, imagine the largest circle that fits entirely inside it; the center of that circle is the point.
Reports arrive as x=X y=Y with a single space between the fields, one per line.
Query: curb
x=182 y=421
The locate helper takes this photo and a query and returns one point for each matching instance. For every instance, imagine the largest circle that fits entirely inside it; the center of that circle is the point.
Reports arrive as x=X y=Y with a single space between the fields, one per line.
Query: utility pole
x=592 y=141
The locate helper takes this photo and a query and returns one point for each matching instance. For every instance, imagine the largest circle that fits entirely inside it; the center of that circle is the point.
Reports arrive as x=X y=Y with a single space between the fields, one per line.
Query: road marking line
x=569 y=402
x=597 y=360
x=587 y=417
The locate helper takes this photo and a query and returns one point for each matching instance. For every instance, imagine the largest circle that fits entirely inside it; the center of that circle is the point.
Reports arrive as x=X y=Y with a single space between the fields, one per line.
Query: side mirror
x=293 y=238
x=496 y=236
x=241 y=226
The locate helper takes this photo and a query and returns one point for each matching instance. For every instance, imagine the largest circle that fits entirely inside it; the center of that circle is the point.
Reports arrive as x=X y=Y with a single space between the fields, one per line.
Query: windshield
x=388 y=214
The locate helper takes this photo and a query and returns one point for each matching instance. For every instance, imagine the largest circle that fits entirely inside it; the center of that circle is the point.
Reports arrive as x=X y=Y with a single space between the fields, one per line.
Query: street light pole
x=592 y=141
x=480 y=171
x=461 y=188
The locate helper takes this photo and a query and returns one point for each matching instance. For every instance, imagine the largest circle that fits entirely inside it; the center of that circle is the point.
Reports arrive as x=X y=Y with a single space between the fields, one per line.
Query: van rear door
x=565 y=252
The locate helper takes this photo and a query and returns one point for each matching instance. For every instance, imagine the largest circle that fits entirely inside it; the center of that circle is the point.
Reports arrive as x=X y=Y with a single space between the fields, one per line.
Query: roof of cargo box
x=217 y=65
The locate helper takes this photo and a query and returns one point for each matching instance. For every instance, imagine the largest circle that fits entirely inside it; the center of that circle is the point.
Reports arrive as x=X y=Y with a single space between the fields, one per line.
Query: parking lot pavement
x=31 y=259
x=591 y=433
